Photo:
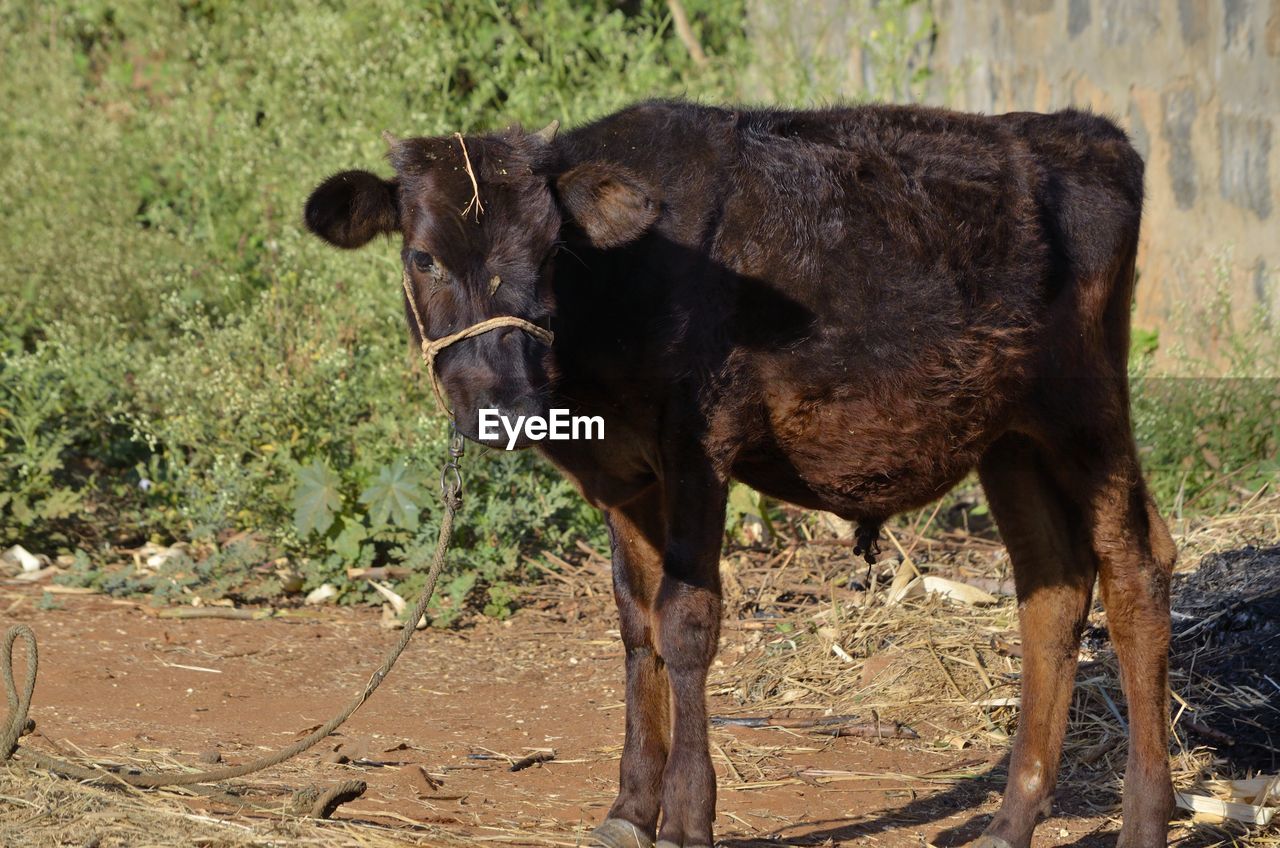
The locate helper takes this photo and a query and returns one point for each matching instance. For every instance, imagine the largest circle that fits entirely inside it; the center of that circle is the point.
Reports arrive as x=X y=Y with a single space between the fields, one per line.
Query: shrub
x=179 y=360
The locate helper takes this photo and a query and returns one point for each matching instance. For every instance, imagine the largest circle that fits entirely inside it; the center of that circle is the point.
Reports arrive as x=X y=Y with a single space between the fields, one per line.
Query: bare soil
x=121 y=685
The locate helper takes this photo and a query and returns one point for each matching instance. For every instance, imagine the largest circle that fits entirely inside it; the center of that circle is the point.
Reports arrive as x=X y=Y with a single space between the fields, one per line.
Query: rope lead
x=17 y=723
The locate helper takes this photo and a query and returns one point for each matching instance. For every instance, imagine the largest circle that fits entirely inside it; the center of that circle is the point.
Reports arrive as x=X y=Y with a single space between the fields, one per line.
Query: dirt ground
x=119 y=684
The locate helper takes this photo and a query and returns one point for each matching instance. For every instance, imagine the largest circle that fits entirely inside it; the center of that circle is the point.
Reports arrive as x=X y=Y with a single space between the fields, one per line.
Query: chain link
x=451 y=474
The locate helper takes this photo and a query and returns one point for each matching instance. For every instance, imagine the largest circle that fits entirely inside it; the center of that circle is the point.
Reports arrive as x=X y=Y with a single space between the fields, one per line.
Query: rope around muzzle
x=17 y=723
x=431 y=347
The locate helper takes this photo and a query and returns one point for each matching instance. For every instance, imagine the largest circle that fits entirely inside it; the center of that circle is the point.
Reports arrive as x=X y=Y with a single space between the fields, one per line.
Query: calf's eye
x=422 y=261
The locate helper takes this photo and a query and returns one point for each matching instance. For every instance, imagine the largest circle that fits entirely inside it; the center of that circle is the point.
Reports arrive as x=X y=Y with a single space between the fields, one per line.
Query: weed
x=1207 y=421
x=179 y=361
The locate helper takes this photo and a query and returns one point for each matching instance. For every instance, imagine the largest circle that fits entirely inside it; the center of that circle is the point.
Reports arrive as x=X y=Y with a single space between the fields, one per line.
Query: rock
x=20 y=556
x=321 y=594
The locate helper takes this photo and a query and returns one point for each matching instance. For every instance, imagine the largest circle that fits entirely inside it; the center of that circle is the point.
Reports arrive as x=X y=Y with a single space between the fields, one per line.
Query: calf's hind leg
x=1054 y=573
x=636 y=535
x=1135 y=555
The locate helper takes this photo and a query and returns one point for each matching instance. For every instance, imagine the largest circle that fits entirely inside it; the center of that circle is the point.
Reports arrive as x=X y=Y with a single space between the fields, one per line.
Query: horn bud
x=548 y=133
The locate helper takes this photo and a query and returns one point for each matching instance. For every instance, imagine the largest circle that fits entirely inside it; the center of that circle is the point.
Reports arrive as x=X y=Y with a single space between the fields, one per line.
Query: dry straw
x=474 y=203
x=809 y=632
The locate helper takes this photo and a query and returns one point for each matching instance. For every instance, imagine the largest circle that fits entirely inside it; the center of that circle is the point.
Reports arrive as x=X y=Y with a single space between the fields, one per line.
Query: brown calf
x=848 y=309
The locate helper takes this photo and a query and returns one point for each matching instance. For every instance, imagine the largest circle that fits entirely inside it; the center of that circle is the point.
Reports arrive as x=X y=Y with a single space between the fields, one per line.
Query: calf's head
x=481 y=219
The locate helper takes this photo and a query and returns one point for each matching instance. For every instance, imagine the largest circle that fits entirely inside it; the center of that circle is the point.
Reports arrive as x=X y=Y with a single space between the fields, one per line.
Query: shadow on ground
x=1225 y=664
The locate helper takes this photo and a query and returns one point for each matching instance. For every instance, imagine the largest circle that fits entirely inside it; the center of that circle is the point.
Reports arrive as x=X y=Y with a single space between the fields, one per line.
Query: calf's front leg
x=636 y=535
x=687 y=618
x=666 y=579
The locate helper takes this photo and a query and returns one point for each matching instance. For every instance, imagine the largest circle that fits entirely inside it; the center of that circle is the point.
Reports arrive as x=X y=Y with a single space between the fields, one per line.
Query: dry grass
x=810 y=630
x=37 y=810
x=951 y=670
x=1256 y=522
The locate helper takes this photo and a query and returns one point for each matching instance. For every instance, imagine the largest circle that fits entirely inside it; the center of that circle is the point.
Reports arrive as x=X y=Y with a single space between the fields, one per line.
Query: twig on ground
x=839 y=725
x=533 y=759
x=230 y=613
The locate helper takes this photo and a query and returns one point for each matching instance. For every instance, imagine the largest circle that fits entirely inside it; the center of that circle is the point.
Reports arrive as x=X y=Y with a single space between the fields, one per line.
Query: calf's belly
x=865 y=463
x=846 y=492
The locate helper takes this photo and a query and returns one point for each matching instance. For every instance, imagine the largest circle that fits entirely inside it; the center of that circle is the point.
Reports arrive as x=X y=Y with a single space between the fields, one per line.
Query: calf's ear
x=349 y=209
x=612 y=205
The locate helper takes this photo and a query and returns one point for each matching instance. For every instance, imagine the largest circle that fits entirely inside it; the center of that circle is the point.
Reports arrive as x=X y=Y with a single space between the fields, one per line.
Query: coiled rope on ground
x=17 y=722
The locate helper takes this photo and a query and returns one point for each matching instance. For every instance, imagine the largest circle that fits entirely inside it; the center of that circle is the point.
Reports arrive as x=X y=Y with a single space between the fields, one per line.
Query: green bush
x=179 y=360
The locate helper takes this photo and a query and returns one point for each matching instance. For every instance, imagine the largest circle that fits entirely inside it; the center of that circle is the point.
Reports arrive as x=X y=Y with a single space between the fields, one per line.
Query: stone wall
x=1195 y=82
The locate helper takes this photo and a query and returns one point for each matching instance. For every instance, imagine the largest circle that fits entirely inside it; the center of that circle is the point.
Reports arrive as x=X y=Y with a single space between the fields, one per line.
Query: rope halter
x=431 y=347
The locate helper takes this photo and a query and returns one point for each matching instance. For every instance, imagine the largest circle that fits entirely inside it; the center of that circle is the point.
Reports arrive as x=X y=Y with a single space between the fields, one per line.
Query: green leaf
x=459 y=587
x=394 y=496
x=59 y=504
x=22 y=511
x=316 y=499
x=347 y=545
x=1143 y=342
x=743 y=500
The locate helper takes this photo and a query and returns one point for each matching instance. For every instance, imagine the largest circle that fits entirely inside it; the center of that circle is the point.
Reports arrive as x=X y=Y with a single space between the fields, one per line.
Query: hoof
x=620 y=833
x=986 y=840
